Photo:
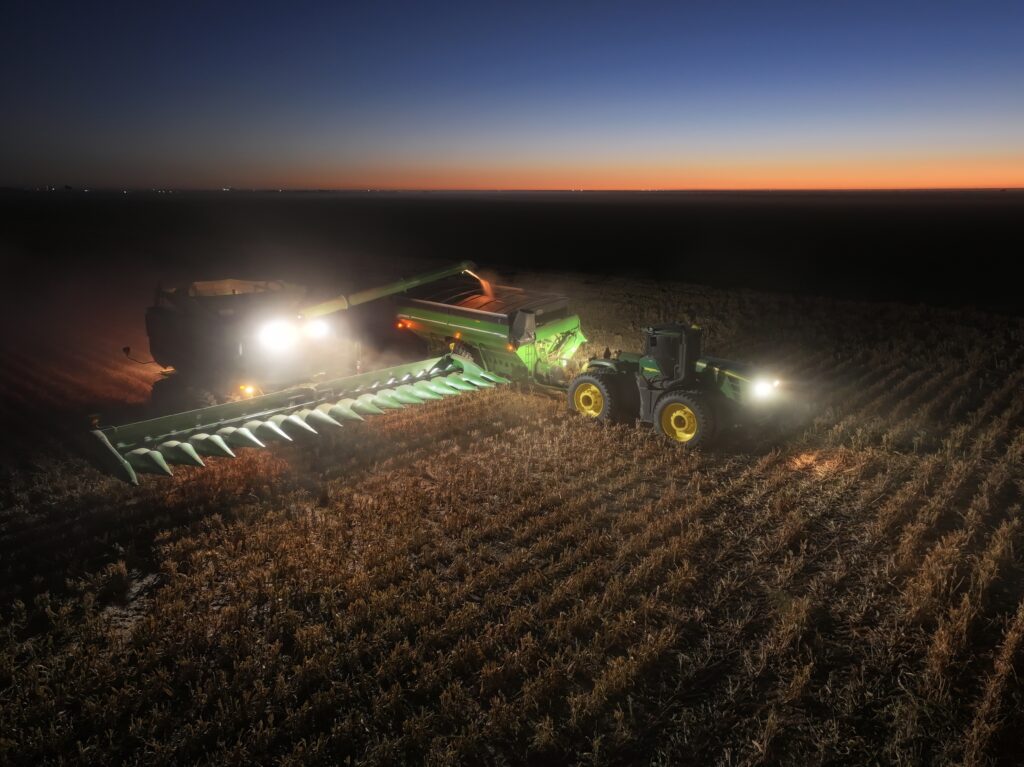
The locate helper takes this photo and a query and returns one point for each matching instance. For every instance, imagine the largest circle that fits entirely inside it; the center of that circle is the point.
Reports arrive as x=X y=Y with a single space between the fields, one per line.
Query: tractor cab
x=670 y=353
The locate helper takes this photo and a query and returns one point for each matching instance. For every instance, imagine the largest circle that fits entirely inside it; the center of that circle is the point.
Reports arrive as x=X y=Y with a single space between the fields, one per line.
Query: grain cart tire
x=597 y=397
x=687 y=418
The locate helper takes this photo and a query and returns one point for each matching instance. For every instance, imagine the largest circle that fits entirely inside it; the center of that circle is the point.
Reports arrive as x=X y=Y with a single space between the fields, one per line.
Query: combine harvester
x=251 y=363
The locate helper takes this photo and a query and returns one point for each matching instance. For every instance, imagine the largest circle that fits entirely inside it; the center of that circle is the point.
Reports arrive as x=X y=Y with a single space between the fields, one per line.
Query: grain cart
x=527 y=336
x=688 y=397
x=252 y=363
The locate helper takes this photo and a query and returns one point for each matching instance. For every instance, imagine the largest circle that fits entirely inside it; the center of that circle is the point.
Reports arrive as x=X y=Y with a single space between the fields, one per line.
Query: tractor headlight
x=316 y=329
x=764 y=389
x=278 y=335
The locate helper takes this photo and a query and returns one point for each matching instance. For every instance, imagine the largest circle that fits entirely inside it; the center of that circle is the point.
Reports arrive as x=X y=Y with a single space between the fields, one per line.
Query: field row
x=490 y=578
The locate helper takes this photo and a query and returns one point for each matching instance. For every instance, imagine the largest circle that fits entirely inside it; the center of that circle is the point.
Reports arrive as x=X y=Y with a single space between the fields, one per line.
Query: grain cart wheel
x=595 y=397
x=685 y=418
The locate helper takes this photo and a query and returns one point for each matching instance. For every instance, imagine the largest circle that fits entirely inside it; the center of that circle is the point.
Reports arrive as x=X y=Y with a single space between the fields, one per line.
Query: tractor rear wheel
x=686 y=418
x=596 y=396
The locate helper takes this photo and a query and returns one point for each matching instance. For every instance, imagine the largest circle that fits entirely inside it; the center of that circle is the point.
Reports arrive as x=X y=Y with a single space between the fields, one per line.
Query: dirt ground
x=489 y=579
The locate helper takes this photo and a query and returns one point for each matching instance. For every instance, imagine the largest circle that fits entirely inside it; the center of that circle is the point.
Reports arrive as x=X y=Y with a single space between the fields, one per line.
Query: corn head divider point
x=154 y=445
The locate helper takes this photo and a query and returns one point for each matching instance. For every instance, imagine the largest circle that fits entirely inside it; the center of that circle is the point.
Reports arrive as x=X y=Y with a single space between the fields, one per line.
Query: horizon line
x=576 y=190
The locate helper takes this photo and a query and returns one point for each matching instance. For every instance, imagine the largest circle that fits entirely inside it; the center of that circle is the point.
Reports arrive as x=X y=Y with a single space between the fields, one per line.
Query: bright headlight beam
x=316 y=329
x=764 y=389
x=278 y=335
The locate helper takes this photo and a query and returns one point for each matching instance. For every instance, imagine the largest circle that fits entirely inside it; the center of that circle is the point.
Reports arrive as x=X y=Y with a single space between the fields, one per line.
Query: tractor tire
x=687 y=418
x=597 y=396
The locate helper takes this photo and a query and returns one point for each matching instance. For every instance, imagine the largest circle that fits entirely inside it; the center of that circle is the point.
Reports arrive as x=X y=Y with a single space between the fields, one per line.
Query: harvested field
x=490 y=580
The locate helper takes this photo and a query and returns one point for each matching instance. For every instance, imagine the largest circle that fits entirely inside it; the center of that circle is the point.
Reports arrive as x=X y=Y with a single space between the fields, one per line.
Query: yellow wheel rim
x=679 y=422
x=588 y=400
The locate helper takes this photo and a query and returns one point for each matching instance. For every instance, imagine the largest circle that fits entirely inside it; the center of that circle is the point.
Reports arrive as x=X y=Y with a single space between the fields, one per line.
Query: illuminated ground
x=488 y=579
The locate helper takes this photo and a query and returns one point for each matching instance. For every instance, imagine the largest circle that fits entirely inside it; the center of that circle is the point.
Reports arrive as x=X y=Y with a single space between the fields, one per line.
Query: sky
x=489 y=95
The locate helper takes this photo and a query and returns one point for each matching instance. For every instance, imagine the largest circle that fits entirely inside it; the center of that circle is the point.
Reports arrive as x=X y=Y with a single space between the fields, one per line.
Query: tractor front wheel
x=595 y=396
x=686 y=418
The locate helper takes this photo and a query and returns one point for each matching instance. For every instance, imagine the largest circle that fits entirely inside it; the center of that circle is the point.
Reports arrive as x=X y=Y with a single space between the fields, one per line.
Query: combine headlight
x=316 y=329
x=278 y=335
x=763 y=388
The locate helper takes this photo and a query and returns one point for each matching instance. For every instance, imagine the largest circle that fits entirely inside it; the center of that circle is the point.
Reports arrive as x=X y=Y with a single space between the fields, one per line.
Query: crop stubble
x=490 y=579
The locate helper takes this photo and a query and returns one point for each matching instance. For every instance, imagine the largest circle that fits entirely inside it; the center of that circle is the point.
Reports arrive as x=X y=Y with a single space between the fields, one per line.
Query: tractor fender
x=610 y=366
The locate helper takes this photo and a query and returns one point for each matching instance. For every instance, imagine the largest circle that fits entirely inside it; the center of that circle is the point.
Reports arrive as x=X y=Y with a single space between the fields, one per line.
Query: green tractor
x=688 y=397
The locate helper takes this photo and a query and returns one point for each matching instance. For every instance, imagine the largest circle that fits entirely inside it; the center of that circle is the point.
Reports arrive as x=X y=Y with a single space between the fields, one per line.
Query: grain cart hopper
x=274 y=368
x=688 y=397
x=522 y=335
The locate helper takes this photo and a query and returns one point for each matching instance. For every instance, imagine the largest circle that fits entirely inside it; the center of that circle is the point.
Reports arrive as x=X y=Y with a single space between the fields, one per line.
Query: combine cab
x=224 y=340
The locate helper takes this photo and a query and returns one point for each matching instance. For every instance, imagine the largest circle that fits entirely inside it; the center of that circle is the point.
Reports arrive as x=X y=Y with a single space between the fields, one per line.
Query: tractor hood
x=740 y=381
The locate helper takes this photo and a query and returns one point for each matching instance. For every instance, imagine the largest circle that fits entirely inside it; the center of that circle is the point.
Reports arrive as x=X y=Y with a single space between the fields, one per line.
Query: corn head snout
x=155 y=445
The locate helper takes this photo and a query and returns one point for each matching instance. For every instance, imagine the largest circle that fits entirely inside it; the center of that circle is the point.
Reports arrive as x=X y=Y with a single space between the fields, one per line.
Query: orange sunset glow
x=938 y=172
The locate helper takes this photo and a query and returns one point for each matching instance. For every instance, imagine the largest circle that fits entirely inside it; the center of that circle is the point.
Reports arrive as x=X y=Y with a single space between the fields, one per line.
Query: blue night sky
x=489 y=95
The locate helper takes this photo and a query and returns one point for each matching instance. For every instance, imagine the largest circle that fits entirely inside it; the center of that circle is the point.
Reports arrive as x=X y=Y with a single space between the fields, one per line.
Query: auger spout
x=341 y=303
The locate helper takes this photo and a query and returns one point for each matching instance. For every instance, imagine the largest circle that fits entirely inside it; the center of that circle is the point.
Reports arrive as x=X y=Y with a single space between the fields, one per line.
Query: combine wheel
x=686 y=417
x=596 y=396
